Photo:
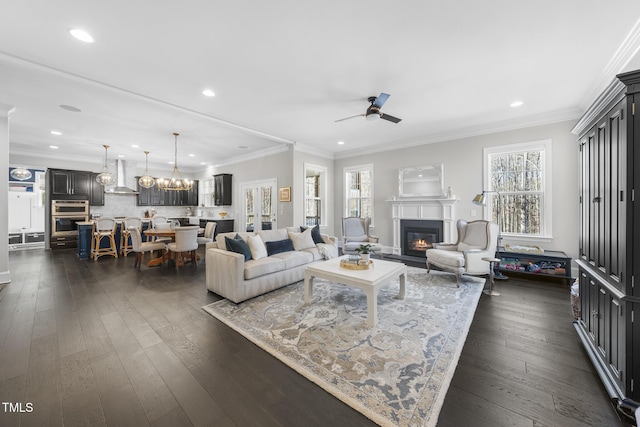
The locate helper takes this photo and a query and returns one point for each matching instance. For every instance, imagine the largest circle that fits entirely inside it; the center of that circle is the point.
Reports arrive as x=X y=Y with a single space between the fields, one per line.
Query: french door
x=259 y=205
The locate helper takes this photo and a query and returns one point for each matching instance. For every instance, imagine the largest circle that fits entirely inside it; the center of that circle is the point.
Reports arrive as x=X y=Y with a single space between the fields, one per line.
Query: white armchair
x=476 y=240
x=355 y=232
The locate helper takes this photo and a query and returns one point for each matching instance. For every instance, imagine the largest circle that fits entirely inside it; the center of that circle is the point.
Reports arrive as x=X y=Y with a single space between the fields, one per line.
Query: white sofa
x=230 y=276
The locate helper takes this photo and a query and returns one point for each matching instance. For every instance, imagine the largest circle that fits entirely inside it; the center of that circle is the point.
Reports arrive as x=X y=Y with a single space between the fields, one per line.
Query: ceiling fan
x=373 y=111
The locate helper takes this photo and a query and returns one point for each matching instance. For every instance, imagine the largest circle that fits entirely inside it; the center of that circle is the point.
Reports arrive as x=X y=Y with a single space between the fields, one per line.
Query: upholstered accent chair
x=476 y=240
x=355 y=232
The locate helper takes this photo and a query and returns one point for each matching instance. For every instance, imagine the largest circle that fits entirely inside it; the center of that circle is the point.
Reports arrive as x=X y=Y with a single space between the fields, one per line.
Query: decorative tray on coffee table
x=355 y=264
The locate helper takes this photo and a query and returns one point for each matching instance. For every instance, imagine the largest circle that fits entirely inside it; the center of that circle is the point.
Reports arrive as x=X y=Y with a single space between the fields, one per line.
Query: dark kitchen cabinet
x=70 y=184
x=97 y=192
x=222 y=225
x=222 y=189
x=609 y=245
x=155 y=197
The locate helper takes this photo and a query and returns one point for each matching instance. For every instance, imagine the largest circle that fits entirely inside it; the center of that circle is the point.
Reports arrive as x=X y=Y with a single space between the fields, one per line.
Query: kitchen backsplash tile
x=125 y=205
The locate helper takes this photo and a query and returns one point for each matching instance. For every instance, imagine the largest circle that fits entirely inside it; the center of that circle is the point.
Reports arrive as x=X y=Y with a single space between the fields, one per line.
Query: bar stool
x=104 y=227
x=131 y=221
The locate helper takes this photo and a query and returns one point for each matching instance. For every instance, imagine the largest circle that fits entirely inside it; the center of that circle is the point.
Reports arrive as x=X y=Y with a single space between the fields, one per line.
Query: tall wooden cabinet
x=609 y=247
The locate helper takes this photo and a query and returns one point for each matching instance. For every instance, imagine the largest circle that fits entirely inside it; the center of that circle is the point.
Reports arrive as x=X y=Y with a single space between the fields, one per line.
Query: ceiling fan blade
x=381 y=99
x=390 y=118
x=347 y=118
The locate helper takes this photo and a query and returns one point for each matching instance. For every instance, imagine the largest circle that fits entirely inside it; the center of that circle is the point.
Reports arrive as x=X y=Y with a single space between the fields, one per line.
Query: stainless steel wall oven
x=65 y=216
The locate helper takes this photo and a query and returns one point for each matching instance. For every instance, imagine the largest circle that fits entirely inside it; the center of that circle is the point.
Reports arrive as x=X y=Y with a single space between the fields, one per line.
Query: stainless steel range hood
x=121 y=187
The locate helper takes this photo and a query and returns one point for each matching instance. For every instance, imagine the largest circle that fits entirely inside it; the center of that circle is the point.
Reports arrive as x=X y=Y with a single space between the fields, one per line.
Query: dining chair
x=186 y=241
x=140 y=247
x=160 y=222
x=104 y=228
x=125 y=235
x=209 y=231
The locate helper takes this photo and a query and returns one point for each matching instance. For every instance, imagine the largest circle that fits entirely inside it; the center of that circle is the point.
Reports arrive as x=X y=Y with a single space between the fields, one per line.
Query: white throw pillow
x=302 y=240
x=257 y=247
x=362 y=238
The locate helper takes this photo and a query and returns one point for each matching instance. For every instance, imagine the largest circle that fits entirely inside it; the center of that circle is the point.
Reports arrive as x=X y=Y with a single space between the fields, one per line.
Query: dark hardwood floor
x=99 y=343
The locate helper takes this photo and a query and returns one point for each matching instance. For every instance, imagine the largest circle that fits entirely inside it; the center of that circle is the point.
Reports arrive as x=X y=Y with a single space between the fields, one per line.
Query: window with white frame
x=315 y=195
x=518 y=186
x=359 y=191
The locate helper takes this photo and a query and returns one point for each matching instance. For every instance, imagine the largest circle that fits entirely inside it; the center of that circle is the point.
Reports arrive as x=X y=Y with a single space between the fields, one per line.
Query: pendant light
x=176 y=182
x=20 y=173
x=146 y=180
x=106 y=177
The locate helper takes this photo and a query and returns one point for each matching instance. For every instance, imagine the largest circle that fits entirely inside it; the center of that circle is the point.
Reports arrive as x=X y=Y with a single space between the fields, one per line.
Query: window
x=521 y=176
x=315 y=195
x=359 y=191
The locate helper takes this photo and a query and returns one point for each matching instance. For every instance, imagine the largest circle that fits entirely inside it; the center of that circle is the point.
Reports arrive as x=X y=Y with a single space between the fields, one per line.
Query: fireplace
x=417 y=236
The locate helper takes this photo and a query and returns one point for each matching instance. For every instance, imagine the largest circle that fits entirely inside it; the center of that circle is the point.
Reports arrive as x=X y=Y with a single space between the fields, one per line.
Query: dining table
x=168 y=232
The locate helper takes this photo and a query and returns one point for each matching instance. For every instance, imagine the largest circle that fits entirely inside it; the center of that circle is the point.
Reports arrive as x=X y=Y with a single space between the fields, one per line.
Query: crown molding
x=621 y=58
x=252 y=156
x=314 y=151
x=613 y=92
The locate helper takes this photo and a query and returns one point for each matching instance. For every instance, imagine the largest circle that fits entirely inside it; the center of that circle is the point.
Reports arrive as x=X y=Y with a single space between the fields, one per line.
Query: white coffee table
x=370 y=280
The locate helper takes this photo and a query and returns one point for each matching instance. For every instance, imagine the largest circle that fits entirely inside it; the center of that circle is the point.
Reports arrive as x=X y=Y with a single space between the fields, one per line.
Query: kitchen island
x=85 y=231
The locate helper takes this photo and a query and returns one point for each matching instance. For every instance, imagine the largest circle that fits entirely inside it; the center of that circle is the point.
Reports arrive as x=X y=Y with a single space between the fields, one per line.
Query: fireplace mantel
x=423 y=208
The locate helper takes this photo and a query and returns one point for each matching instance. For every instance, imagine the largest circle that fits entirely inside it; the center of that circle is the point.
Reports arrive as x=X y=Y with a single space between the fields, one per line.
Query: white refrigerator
x=25 y=213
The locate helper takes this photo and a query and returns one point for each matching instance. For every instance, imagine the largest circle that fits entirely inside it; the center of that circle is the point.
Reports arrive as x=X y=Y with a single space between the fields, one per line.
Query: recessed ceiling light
x=55 y=132
x=203 y=163
x=208 y=92
x=516 y=104
x=81 y=35
x=71 y=108
x=135 y=145
x=192 y=155
x=340 y=142
x=171 y=163
x=54 y=147
x=121 y=155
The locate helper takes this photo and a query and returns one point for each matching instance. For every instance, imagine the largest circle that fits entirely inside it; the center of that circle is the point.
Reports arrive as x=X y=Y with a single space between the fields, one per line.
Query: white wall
x=463 y=163
x=5 y=276
x=269 y=166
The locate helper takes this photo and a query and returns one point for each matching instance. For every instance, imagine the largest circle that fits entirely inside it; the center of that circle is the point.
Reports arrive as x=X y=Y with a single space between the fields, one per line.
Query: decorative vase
x=364 y=258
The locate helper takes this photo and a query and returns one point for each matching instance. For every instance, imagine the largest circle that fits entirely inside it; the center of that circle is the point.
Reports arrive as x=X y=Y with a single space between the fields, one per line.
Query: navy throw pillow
x=315 y=234
x=238 y=245
x=278 y=246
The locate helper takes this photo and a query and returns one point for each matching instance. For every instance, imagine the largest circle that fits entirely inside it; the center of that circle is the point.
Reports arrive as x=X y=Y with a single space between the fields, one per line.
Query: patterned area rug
x=396 y=373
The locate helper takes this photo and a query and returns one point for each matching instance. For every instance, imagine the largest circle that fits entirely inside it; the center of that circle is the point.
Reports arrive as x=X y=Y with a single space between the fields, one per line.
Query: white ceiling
x=283 y=71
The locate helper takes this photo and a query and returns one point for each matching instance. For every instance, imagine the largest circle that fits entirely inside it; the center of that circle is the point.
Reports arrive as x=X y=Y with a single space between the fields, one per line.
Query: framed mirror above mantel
x=421 y=181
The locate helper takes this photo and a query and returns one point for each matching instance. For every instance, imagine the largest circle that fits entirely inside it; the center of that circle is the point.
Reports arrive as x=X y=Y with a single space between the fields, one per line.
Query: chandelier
x=146 y=181
x=106 y=177
x=20 y=173
x=176 y=182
